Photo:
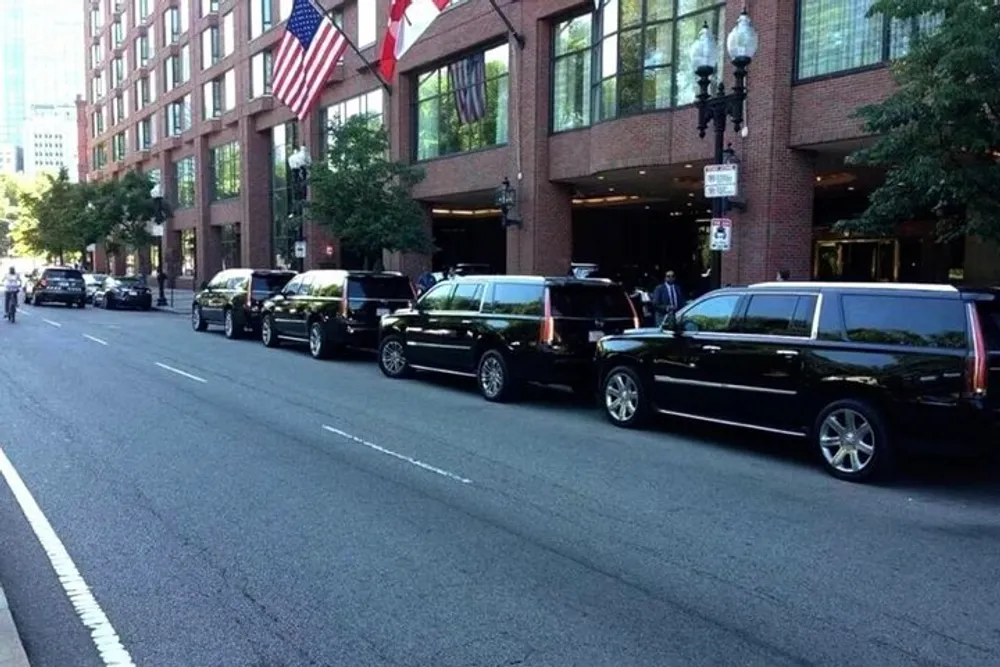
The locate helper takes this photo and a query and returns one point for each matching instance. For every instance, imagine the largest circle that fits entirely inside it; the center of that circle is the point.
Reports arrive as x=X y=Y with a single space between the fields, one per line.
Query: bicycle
x=11 y=305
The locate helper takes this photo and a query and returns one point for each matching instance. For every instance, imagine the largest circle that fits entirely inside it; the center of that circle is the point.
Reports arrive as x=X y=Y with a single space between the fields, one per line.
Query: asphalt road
x=217 y=522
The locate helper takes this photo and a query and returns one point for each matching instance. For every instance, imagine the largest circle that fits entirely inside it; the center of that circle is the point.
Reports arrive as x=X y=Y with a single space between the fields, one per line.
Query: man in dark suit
x=667 y=297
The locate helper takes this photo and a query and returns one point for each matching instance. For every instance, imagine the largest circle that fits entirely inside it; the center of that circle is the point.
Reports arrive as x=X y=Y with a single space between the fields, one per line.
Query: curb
x=11 y=651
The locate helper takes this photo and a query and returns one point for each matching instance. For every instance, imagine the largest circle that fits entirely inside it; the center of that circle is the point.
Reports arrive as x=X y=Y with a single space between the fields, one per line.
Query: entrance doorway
x=469 y=240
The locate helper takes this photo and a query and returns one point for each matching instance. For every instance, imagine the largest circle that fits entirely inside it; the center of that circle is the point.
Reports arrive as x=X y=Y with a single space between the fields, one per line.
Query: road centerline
x=55 y=324
x=182 y=373
x=88 y=610
x=95 y=339
x=401 y=457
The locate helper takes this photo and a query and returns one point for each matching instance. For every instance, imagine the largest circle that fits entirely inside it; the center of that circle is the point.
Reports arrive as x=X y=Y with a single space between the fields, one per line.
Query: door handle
x=787 y=353
x=711 y=348
x=466 y=321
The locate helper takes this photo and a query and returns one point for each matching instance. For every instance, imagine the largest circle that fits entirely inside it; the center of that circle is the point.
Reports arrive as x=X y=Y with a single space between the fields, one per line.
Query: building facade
x=589 y=116
x=12 y=88
x=50 y=139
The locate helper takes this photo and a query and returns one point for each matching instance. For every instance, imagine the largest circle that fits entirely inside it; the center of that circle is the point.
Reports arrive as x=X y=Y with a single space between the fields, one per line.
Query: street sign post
x=721 y=180
x=721 y=234
x=300 y=249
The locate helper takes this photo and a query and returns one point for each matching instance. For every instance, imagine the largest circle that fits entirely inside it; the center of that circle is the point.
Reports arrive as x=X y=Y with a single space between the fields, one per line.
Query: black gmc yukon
x=863 y=372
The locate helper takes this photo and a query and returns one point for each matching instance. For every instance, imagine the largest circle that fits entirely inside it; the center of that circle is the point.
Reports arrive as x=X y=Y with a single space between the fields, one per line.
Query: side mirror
x=204 y=284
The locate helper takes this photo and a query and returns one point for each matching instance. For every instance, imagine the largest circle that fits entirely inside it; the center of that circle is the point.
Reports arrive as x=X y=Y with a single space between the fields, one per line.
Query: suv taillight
x=547 y=331
x=977 y=369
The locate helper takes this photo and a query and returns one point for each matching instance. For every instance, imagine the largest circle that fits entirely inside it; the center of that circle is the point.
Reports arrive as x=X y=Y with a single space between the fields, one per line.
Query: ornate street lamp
x=159 y=218
x=299 y=163
x=506 y=200
x=718 y=107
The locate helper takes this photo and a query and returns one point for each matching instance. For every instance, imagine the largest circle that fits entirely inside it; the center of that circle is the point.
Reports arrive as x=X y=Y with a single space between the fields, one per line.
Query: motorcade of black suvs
x=506 y=330
x=56 y=284
x=331 y=309
x=234 y=298
x=865 y=373
x=92 y=281
x=130 y=292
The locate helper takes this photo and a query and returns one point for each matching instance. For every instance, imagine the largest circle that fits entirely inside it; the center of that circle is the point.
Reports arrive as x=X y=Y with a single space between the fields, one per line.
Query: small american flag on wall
x=468 y=81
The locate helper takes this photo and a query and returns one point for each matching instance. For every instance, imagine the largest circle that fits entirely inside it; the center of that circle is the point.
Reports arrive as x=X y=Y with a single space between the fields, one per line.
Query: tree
x=939 y=132
x=363 y=198
x=49 y=213
x=122 y=210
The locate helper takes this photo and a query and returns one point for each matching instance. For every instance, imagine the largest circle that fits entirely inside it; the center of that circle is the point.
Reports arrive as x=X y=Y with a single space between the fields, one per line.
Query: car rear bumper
x=967 y=428
x=61 y=296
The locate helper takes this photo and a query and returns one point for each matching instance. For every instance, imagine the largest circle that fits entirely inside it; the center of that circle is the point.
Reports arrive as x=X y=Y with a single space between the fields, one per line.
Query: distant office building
x=53 y=35
x=10 y=159
x=50 y=139
x=12 y=73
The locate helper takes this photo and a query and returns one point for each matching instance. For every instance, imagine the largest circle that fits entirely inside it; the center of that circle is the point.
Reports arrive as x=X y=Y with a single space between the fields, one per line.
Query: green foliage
x=57 y=217
x=363 y=198
x=939 y=133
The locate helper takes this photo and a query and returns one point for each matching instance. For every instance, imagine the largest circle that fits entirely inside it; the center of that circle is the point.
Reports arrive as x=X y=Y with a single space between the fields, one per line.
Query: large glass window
x=369 y=104
x=571 y=73
x=284 y=228
x=226 y=171
x=838 y=36
x=260 y=74
x=261 y=19
x=185 y=179
x=367 y=23
x=463 y=105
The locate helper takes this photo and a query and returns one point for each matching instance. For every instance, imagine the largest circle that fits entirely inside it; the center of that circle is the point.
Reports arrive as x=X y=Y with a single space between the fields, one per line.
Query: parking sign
x=721 y=234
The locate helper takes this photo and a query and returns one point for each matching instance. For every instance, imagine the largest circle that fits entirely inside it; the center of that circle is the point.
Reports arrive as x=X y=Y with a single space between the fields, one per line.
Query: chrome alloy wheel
x=229 y=326
x=621 y=397
x=315 y=340
x=491 y=376
x=195 y=314
x=265 y=331
x=847 y=441
x=393 y=357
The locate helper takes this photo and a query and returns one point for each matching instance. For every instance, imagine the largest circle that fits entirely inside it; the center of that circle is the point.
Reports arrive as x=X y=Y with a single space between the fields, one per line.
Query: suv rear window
x=269 y=283
x=903 y=320
x=63 y=274
x=379 y=287
x=590 y=301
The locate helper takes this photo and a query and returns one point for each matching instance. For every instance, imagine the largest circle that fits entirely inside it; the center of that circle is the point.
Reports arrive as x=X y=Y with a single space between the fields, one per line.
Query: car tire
x=81 y=304
x=319 y=347
x=493 y=377
x=392 y=359
x=229 y=326
x=198 y=322
x=109 y=303
x=623 y=398
x=852 y=441
x=268 y=336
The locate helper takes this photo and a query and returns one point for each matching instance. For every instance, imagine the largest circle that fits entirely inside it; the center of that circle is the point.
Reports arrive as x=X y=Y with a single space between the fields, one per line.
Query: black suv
x=56 y=284
x=863 y=371
x=504 y=330
x=333 y=309
x=234 y=298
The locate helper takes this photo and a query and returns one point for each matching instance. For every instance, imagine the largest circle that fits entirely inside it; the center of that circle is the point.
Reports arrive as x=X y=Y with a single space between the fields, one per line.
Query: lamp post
x=299 y=162
x=718 y=106
x=506 y=200
x=159 y=218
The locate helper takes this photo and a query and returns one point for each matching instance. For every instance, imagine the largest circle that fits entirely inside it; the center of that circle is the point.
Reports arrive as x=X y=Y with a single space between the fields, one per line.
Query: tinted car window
x=467 y=296
x=264 y=285
x=380 y=287
x=712 y=314
x=63 y=274
x=328 y=285
x=515 y=299
x=590 y=301
x=293 y=285
x=778 y=315
x=437 y=297
x=900 y=320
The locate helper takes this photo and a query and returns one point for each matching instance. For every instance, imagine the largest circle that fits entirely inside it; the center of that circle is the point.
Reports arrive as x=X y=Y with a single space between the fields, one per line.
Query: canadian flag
x=408 y=20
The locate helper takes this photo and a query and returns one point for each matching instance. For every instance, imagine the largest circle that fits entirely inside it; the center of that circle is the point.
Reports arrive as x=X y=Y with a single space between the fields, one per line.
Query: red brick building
x=591 y=120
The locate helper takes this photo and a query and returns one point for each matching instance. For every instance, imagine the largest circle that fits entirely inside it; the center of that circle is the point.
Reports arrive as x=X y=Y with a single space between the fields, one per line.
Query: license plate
x=132 y=292
x=382 y=312
x=595 y=336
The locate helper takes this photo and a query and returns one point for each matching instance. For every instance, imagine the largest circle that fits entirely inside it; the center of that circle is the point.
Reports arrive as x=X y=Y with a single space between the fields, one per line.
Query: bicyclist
x=12 y=285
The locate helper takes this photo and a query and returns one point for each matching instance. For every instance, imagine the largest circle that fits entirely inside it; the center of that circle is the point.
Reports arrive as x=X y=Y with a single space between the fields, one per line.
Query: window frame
x=225 y=161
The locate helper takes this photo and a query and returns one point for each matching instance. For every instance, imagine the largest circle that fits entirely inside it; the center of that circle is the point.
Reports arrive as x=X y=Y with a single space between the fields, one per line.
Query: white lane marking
x=55 y=324
x=401 y=457
x=105 y=639
x=180 y=372
x=22 y=311
x=96 y=340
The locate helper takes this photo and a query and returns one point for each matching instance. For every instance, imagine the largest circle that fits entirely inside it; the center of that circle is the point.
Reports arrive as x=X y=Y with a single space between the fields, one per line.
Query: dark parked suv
x=864 y=372
x=334 y=309
x=504 y=330
x=56 y=284
x=234 y=298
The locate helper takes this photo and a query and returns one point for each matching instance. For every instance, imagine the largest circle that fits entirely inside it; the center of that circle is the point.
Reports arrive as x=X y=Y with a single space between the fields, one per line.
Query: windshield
x=94 y=278
x=63 y=274
x=380 y=287
x=270 y=283
x=590 y=301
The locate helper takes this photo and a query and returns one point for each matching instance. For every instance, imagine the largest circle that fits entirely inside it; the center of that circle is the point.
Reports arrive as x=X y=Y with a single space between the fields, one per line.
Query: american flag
x=308 y=53
x=468 y=80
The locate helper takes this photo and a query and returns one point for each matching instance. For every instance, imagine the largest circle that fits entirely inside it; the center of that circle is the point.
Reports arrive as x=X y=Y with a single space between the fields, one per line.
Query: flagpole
x=350 y=43
x=510 y=26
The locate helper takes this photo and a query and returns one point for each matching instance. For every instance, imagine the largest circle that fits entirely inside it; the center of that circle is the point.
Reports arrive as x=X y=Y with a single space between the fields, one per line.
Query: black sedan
x=123 y=292
x=93 y=282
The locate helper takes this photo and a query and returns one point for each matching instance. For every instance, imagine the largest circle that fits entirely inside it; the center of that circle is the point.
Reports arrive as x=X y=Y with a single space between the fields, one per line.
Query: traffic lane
x=627 y=486
x=337 y=565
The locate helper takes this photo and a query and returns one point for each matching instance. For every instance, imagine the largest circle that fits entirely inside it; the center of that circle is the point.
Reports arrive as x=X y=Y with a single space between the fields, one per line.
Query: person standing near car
x=667 y=297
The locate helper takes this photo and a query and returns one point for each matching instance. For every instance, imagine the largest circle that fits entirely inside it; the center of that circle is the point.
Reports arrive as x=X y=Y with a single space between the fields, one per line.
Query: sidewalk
x=11 y=652
x=178 y=301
